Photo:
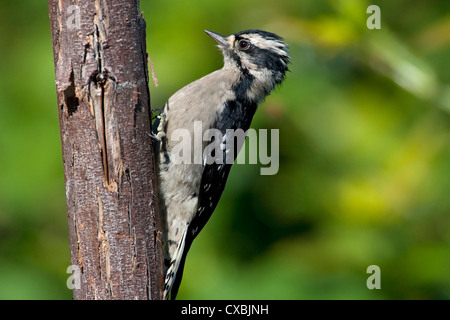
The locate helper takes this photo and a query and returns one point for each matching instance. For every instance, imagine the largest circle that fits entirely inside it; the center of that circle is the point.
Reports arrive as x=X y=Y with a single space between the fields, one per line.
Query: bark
x=104 y=113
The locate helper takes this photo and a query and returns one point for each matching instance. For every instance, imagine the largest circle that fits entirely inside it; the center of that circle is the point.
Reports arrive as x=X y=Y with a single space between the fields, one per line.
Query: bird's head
x=259 y=54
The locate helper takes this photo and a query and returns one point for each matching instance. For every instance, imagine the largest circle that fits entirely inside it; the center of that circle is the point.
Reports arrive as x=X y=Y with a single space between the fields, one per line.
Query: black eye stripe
x=267 y=59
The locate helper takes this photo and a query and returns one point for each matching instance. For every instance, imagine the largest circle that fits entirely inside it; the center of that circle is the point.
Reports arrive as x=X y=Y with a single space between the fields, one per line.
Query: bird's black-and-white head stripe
x=268 y=49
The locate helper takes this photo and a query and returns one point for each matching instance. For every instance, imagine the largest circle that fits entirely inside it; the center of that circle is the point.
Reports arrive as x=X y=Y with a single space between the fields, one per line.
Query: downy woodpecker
x=255 y=62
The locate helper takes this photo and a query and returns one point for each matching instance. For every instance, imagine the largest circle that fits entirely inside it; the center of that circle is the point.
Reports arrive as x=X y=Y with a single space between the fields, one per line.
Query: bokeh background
x=364 y=176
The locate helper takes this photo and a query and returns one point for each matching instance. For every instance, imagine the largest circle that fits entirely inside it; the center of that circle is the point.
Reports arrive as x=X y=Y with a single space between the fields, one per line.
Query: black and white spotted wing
x=236 y=116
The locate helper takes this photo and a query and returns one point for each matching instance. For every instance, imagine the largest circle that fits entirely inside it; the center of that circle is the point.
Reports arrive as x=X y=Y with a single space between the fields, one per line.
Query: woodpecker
x=255 y=61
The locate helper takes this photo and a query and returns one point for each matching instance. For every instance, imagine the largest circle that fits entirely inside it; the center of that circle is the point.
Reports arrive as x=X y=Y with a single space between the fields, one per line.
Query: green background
x=364 y=125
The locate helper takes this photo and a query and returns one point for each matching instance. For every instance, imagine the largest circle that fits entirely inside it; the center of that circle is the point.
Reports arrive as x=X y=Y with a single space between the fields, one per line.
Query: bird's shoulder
x=216 y=85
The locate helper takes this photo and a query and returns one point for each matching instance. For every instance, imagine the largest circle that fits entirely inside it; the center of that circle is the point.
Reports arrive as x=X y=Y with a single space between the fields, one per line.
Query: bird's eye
x=243 y=44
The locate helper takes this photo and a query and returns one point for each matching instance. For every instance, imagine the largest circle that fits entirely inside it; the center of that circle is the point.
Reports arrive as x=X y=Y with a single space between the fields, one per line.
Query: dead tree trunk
x=104 y=113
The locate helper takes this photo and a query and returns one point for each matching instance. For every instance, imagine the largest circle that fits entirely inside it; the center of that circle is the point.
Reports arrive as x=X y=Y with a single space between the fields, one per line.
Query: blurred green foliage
x=364 y=120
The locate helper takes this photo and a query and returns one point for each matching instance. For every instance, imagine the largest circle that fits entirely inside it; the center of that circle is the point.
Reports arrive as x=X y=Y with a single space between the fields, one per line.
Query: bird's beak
x=221 y=40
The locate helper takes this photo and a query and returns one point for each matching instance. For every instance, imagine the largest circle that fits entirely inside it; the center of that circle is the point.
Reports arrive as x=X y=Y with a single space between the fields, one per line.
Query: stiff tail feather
x=171 y=273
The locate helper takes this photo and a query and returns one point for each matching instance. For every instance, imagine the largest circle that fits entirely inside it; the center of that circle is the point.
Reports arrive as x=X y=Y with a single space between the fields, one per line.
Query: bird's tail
x=174 y=268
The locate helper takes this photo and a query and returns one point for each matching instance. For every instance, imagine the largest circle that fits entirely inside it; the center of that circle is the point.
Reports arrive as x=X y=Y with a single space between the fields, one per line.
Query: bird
x=191 y=180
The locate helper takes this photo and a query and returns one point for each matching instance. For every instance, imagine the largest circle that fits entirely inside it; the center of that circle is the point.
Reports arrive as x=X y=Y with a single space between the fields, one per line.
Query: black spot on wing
x=213 y=183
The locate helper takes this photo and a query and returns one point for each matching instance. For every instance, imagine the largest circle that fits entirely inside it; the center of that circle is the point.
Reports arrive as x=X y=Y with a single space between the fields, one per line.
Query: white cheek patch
x=246 y=62
x=262 y=84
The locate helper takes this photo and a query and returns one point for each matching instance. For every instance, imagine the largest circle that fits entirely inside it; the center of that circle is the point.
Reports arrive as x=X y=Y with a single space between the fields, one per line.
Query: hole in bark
x=72 y=102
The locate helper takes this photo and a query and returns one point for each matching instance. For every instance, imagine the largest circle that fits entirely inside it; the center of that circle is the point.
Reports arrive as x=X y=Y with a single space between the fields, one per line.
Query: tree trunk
x=104 y=113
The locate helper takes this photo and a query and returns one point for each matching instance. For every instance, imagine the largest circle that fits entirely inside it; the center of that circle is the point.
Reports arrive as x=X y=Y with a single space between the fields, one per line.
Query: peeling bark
x=104 y=114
